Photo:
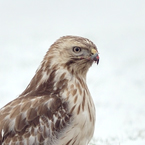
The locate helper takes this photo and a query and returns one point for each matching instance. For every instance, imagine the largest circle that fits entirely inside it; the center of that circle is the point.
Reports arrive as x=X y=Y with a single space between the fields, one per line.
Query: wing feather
x=41 y=117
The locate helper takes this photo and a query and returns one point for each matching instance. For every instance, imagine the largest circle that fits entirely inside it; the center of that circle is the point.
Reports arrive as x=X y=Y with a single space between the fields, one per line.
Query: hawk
x=56 y=107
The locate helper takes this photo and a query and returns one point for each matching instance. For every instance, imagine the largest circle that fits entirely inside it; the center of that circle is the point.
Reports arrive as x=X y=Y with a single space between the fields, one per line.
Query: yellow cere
x=94 y=51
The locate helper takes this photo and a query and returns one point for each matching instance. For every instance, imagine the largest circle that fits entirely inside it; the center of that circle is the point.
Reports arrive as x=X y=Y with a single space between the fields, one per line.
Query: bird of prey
x=56 y=108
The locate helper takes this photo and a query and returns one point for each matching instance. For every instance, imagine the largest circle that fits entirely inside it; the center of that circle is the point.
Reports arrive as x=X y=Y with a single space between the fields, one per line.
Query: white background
x=117 y=84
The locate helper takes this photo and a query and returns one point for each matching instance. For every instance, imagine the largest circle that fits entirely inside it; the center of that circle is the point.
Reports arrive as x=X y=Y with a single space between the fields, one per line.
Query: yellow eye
x=76 y=49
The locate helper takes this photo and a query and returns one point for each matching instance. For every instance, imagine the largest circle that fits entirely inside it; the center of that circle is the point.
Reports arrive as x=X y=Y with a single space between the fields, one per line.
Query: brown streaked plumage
x=56 y=108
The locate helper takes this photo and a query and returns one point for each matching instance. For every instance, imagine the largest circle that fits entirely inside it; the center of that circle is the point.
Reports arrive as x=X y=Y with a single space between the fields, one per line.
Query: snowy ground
x=117 y=84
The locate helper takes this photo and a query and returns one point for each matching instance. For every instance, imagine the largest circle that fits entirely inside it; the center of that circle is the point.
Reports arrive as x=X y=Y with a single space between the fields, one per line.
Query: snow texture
x=117 y=84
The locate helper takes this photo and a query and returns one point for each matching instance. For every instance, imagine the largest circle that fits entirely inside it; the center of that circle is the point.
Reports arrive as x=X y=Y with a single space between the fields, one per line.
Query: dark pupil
x=77 y=49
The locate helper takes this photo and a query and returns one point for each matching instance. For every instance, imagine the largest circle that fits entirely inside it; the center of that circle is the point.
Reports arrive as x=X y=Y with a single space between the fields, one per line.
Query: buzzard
x=56 y=107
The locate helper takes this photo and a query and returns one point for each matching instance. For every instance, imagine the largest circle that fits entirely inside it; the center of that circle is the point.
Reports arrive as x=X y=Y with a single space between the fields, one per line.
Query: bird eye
x=76 y=49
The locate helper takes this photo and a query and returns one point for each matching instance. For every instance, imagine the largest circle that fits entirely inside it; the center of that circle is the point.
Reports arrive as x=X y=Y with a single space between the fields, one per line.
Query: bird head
x=74 y=53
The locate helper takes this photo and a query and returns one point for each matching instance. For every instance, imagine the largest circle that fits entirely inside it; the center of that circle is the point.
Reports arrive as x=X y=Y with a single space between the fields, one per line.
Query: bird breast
x=82 y=108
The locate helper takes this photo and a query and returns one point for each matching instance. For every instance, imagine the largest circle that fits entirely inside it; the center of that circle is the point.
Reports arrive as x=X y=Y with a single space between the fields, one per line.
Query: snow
x=117 y=84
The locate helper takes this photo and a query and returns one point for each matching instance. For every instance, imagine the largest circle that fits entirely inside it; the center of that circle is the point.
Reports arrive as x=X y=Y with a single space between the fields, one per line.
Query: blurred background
x=117 y=84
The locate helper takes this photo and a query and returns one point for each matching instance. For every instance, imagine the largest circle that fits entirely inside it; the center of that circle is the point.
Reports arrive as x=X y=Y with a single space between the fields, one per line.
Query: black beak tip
x=96 y=59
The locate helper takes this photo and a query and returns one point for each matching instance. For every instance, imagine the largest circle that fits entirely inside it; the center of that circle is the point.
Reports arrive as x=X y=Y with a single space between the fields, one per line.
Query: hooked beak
x=95 y=56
